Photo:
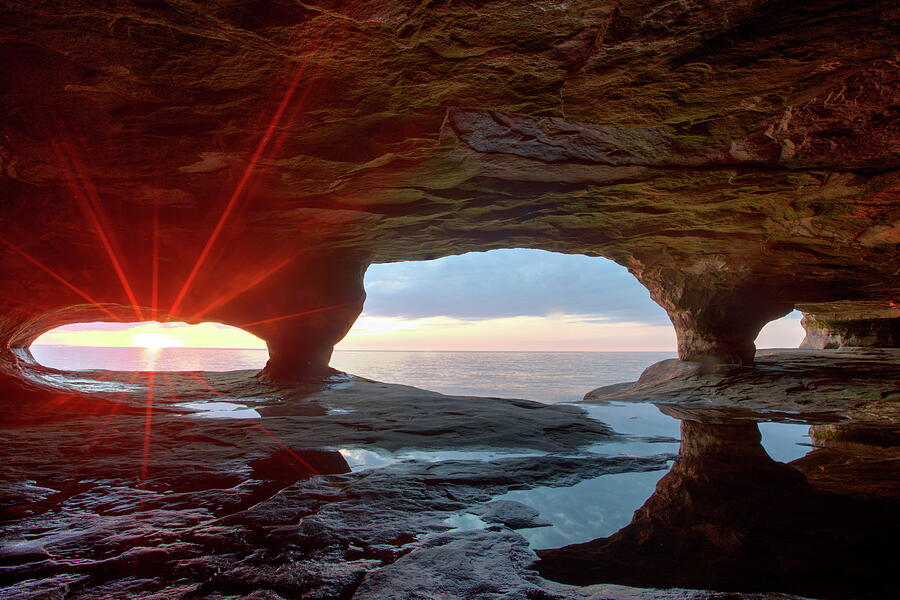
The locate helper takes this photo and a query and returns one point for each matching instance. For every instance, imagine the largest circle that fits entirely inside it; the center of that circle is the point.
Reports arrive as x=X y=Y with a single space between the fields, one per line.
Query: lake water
x=542 y=376
x=573 y=512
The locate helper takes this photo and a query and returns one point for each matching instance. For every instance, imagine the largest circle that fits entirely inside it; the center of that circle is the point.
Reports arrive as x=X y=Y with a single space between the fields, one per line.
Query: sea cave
x=247 y=164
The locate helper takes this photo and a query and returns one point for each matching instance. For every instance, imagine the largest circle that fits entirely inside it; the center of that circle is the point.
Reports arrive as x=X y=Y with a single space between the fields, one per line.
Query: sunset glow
x=150 y=335
x=560 y=332
x=155 y=340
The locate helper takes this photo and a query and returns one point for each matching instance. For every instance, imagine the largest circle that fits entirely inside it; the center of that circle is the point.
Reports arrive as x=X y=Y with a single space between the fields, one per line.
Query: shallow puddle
x=360 y=459
x=589 y=510
x=219 y=410
x=465 y=522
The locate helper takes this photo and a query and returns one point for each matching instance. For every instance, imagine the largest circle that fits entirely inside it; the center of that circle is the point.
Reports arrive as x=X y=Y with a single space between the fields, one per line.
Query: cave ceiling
x=744 y=145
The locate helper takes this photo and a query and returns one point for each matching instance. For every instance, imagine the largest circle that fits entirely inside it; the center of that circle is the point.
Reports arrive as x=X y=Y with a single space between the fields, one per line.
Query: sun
x=154 y=341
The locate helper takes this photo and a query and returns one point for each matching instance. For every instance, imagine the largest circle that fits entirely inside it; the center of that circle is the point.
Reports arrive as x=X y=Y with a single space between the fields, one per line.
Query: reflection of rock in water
x=728 y=517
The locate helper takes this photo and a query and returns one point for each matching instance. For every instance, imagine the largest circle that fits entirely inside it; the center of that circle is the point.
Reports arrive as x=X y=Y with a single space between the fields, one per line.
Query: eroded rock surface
x=244 y=164
x=102 y=499
x=860 y=383
x=124 y=493
x=848 y=324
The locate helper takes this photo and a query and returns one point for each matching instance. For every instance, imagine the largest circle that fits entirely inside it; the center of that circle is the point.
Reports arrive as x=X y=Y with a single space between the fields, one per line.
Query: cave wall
x=245 y=162
x=859 y=324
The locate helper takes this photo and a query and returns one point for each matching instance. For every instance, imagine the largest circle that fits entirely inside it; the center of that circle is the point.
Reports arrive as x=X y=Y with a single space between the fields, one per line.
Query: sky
x=499 y=300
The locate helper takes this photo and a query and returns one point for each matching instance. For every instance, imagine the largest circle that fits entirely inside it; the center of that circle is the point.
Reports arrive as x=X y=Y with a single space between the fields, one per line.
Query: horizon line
x=336 y=349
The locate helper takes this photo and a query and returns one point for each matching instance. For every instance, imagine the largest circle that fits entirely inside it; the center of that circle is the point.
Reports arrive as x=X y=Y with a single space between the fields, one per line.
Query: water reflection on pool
x=601 y=506
x=588 y=510
x=219 y=410
x=362 y=458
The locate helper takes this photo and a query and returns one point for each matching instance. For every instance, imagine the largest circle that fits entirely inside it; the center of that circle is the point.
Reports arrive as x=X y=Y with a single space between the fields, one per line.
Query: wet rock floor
x=205 y=485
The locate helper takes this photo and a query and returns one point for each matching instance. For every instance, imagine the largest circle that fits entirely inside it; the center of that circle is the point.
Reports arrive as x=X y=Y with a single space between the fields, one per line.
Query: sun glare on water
x=154 y=341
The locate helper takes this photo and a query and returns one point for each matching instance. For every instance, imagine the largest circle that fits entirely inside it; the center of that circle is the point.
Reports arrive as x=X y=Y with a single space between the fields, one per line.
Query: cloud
x=531 y=333
x=510 y=283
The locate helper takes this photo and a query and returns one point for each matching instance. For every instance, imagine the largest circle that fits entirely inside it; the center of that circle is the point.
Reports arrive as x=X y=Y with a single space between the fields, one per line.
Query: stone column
x=304 y=313
x=717 y=313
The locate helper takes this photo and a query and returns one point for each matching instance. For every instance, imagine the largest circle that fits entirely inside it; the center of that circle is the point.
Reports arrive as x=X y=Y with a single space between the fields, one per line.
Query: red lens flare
x=58 y=277
x=300 y=460
x=154 y=265
x=257 y=279
x=241 y=185
x=89 y=201
x=148 y=426
x=98 y=433
x=299 y=314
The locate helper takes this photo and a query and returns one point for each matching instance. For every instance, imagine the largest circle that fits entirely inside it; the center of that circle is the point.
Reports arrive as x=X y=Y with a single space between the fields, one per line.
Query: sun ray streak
x=58 y=277
x=299 y=314
x=154 y=265
x=148 y=425
x=286 y=128
x=98 y=432
x=241 y=185
x=89 y=201
x=274 y=437
x=257 y=279
x=169 y=385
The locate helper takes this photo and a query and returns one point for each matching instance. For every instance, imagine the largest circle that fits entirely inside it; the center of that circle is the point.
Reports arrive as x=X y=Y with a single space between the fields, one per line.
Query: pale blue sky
x=510 y=283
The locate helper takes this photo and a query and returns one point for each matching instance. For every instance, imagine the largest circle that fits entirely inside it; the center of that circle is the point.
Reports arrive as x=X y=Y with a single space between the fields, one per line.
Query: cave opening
x=422 y=317
x=517 y=322
x=149 y=346
x=530 y=323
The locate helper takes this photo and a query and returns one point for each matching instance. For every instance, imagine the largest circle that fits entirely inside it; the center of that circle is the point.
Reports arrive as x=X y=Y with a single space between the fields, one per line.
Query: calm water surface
x=81 y=358
x=542 y=376
x=585 y=511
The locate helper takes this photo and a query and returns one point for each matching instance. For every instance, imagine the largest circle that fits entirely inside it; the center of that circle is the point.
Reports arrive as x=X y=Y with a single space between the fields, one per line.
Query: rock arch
x=269 y=170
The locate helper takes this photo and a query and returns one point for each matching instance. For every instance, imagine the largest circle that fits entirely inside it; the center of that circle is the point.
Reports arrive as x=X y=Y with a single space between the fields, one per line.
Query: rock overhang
x=736 y=163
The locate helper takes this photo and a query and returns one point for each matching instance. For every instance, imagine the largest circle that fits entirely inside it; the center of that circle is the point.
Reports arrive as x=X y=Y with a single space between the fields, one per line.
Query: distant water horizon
x=545 y=376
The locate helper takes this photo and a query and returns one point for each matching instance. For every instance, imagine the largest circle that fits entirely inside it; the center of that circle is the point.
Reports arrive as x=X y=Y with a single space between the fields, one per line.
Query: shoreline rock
x=828 y=385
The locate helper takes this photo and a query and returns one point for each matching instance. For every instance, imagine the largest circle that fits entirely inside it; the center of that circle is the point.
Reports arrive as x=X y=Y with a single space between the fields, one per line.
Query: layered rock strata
x=860 y=383
x=244 y=164
x=843 y=324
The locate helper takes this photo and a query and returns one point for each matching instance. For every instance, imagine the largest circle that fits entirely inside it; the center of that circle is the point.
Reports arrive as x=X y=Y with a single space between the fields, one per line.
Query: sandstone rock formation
x=100 y=499
x=244 y=162
x=852 y=383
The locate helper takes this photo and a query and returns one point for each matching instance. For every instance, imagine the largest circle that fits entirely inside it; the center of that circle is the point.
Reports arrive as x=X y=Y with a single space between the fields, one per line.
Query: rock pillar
x=716 y=314
x=304 y=313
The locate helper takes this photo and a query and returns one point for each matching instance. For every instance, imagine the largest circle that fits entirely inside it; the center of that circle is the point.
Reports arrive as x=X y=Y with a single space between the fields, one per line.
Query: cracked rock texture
x=214 y=508
x=244 y=162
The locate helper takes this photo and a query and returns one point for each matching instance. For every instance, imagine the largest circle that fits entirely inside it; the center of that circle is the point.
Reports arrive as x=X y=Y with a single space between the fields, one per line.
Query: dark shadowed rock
x=291 y=464
x=731 y=517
